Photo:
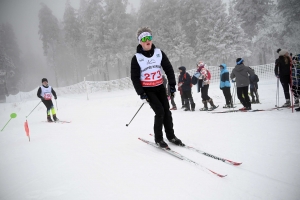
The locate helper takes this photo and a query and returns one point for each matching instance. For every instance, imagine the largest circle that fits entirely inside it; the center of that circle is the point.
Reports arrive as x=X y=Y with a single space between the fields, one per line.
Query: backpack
x=184 y=77
x=195 y=78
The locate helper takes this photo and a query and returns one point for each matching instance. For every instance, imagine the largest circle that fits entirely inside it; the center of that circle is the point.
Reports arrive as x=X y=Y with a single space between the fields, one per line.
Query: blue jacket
x=224 y=77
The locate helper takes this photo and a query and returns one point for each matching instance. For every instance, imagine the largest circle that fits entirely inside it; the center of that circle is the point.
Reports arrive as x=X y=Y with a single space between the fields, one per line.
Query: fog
x=84 y=39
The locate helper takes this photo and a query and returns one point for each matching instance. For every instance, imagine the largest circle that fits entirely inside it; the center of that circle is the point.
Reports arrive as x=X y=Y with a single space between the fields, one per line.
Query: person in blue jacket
x=225 y=85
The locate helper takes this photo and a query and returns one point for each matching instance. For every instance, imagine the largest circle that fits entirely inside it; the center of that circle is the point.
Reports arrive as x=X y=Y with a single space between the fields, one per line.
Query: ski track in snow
x=97 y=157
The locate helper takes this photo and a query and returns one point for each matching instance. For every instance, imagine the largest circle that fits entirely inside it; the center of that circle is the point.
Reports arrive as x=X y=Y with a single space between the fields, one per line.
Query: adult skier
x=146 y=75
x=241 y=74
x=283 y=72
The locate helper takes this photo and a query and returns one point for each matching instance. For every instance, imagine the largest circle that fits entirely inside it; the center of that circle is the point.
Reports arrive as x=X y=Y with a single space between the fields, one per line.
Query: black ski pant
x=172 y=101
x=227 y=95
x=242 y=93
x=49 y=105
x=188 y=99
x=285 y=82
x=163 y=116
x=204 y=92
x=253 y=91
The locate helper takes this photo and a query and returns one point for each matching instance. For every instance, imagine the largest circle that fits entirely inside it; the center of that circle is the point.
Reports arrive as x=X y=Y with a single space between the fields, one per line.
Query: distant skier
x=225 y=85
x=184 y=82
x=147 y=66
x=241 y=74
x=254 y=87
x=45 y=93
x=204 y=80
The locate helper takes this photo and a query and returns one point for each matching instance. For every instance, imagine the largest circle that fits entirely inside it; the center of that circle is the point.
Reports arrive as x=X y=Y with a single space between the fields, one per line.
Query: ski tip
x=219 y=175
x=234 y=163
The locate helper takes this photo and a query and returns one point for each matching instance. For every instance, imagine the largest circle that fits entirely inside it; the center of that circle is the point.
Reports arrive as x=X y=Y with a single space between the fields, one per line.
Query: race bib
x=47 y=96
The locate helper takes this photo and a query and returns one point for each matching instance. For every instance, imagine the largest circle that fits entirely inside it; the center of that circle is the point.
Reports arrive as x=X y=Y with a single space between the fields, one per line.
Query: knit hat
x=278 y=50
x=200 y=64
x=182 y=68
x=44 y=79
x=283 y=52
x=239 y=61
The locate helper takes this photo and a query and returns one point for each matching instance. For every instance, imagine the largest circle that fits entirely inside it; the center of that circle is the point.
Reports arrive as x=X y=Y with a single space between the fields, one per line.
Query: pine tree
x=49 y=34
x=72 y=36
x=251 y=12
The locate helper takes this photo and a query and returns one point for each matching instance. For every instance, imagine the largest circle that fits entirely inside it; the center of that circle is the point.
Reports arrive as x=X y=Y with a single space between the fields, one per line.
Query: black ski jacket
x=136 y=70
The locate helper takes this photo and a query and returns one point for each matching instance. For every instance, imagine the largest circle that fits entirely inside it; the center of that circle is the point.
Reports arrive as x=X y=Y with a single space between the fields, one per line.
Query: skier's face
x=147 y=44
x=45 y=83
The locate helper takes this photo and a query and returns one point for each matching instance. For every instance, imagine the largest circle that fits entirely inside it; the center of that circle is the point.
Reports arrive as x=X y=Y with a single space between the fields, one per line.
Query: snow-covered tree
x=49 y=34
x=252 y=12
x=72 y=36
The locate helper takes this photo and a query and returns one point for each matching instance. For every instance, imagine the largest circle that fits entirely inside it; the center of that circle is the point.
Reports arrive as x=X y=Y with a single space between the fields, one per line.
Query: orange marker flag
x=27 y=129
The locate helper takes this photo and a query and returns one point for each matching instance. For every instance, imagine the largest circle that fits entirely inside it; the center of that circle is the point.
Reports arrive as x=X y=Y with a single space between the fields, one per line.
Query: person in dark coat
x=185 y=83
x=147 y=67
x=254 y=87
x=45 y=93
x=241 y=74
x=283 y=72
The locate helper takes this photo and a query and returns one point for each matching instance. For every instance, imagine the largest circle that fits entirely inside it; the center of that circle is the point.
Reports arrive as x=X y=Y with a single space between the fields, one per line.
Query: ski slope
x=97 y=157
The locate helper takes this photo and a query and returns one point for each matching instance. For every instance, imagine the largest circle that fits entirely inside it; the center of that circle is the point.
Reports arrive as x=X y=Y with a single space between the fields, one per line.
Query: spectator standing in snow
x=184 y=82
x=254 y=87
x=225 y=85
x=204 y=81
x=283 y=72
x=241 y=74
x=147 y=67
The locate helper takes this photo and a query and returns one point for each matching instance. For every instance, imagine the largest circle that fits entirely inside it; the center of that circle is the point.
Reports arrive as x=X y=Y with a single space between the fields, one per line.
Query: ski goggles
x=144 y=39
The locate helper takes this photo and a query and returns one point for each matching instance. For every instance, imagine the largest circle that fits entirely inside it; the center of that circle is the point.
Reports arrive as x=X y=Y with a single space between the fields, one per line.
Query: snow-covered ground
x=98 y=157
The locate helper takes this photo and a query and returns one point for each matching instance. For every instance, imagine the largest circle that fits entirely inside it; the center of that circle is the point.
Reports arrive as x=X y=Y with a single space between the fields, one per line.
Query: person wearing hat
x=45 y=93
x=241 y=74
x=184 y=82
x=225 y=85
x=147 y=67
x=283 y=72
x=254 y=87
x=203 y=84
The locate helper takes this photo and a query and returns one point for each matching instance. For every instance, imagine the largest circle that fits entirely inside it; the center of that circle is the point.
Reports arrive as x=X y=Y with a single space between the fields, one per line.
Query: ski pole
x=33 y=109
x=234 y=92
x=257 y=96
x=277 y=94
x=56 y=104
x=135 y=114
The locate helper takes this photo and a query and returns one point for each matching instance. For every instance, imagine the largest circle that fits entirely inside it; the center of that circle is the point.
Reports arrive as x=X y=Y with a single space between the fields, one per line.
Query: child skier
x=184 y=82
x=254 y=87
x=45 y=94
x=225 y=85
x=205 y=80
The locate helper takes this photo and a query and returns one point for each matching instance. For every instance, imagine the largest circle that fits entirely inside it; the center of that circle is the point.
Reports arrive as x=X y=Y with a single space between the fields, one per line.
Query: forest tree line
x=98 y=39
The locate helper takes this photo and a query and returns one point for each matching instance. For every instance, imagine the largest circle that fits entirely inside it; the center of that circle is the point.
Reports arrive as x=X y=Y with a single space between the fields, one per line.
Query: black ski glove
x=144 y=97
x=172 y=90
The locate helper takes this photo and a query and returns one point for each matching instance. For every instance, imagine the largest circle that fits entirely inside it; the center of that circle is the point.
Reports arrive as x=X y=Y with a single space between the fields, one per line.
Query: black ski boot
x=187 y=105
x=176 y=141
x=161 y=144
x=49 y=118
x=55 y=118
